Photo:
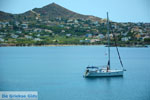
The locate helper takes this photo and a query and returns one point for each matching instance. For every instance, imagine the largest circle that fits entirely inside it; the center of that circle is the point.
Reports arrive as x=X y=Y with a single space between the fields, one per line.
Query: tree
x=147 y=40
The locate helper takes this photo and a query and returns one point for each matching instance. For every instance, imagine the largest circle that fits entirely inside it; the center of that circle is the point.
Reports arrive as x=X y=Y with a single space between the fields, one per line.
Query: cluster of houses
x=125 y=31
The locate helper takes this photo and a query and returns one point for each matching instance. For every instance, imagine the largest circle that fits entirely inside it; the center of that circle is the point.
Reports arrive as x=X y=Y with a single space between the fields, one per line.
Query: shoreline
x=59 y=45
x=55 y=45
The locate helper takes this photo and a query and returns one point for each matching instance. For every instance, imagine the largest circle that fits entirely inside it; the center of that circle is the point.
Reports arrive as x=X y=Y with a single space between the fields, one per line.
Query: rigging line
x=118 y=50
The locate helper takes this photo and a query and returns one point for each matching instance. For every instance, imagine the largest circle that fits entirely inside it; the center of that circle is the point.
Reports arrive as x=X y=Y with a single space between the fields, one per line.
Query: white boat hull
x=104 y=74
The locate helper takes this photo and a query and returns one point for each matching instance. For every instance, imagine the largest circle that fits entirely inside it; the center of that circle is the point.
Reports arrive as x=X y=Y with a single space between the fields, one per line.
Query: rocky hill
x=6 y=16
x=48 y=12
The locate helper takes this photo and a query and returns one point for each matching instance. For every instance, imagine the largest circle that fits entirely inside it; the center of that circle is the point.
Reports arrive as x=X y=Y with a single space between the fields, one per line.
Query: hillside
x=54 y=24
x=6 y=16
x=48 y=12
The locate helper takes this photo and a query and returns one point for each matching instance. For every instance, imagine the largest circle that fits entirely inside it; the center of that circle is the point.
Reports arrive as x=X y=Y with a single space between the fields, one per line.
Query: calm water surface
x=57 y=72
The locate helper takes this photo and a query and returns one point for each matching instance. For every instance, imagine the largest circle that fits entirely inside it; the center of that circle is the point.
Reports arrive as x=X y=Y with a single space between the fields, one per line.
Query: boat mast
x=108 y=41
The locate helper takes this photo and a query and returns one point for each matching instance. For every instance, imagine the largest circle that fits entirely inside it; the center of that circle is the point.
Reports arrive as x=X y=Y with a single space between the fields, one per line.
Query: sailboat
x=105 y=71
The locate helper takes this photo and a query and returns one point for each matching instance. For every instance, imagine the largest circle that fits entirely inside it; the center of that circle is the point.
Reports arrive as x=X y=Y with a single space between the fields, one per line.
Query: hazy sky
x=119 y=10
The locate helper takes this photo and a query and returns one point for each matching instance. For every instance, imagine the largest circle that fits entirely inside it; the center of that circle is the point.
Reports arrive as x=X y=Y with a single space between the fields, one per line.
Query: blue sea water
x=57 y=72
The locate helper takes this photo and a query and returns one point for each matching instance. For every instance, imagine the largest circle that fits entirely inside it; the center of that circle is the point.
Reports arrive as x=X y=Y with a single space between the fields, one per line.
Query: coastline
x=51 y=45
x=55 y=45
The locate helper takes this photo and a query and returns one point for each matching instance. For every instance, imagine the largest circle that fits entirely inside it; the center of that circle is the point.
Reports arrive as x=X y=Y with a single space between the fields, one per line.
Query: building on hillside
x=101 y=36
x=138 y=36
x=94 y=40
x=85 y=41
x=25 y=26
x=1 y=39
x=125 y=39
x=37 y=39
x=49 y=31
x=88 y=35
x=68 y=35
x=145 y=37
x=37 y=30
x=28 y=37
x=14 y=36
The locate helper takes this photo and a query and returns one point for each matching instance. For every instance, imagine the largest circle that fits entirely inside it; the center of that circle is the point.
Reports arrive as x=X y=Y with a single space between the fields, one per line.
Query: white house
x=68 y=35
x=94 y=40
x=101 y=36
x=37 y=39
x=28 y=37
x=24 y=26
x=1 y=39
x=14 y=36
x=125 y=39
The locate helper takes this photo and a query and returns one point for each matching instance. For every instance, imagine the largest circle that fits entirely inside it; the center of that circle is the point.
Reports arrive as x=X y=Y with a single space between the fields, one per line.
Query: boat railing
x=96 y=67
